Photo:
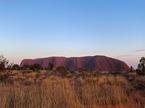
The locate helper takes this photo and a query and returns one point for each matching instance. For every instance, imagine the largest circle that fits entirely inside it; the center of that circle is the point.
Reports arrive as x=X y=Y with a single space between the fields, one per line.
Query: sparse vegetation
x=25 y=87
x=104 y=91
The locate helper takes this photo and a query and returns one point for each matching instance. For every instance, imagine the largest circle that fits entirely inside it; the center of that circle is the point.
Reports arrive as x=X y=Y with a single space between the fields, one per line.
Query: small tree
x=3 y=63
x=141 y=66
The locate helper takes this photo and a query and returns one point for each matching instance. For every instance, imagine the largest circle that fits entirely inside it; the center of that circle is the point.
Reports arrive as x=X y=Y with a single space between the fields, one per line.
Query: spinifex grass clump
x=100 y=91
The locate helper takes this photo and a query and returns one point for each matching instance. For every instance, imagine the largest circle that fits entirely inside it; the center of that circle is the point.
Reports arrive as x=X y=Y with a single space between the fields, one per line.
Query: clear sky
x=42 y=28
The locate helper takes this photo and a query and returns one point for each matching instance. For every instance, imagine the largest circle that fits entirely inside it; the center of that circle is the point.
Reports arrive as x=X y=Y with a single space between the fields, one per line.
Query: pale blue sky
x=42 y=28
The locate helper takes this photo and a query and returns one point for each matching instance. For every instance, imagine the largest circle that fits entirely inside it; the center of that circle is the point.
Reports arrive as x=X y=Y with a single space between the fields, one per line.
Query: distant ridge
x=98 y=63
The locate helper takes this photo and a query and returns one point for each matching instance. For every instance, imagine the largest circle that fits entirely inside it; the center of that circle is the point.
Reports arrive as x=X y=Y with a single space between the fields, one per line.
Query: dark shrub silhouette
x=15 y=67
x=141 y=66
x=3 y=63
x=35 y=67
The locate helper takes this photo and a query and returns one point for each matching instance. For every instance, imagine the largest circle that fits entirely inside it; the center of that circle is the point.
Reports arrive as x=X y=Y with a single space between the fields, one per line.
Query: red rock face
x=100 y=63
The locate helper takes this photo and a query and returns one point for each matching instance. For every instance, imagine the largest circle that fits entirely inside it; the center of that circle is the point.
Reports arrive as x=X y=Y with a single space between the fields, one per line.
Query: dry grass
x=105 y=91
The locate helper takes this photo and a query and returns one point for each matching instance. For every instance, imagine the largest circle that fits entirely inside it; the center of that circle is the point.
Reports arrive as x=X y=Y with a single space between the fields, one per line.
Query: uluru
x=94 y=63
